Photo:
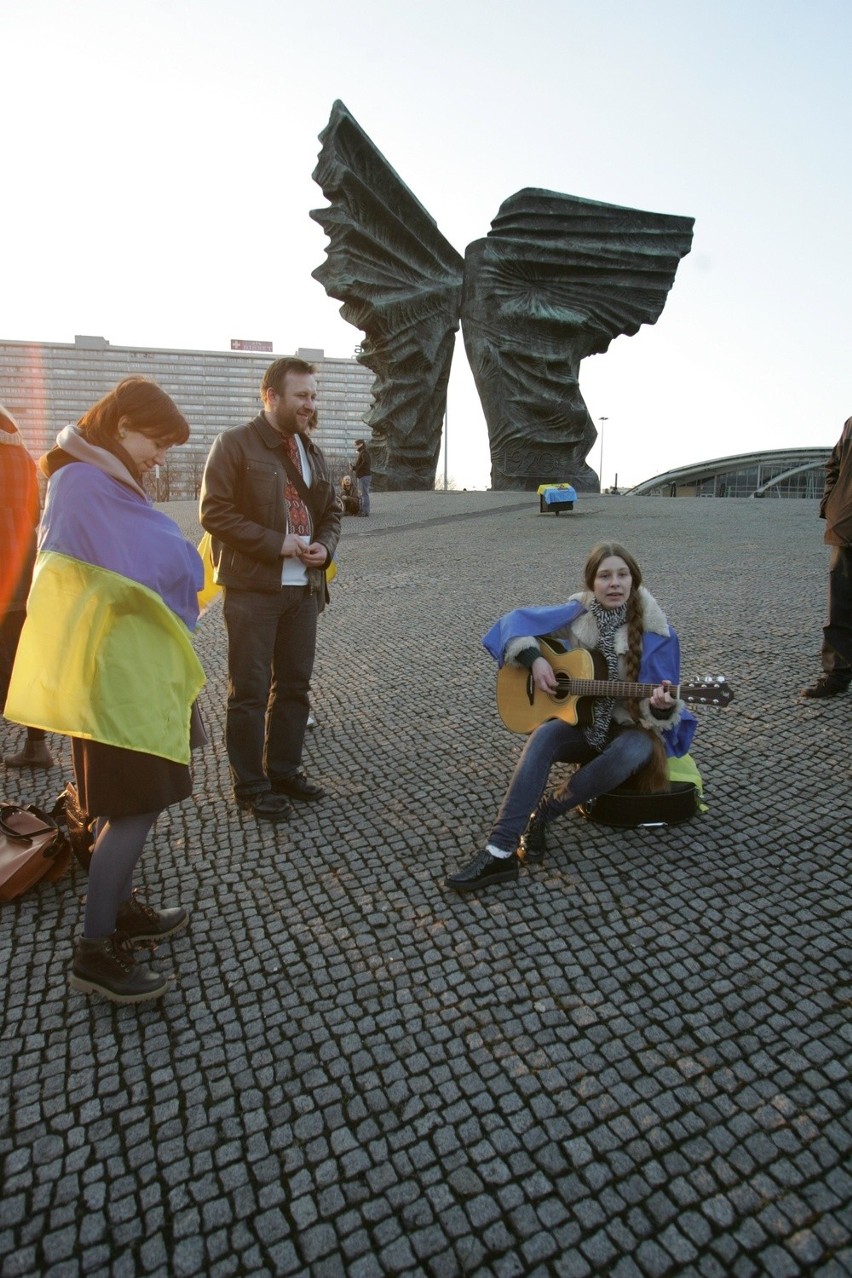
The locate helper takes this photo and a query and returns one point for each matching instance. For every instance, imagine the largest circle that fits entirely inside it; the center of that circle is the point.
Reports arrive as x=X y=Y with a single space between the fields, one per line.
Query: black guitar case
x=628 y=808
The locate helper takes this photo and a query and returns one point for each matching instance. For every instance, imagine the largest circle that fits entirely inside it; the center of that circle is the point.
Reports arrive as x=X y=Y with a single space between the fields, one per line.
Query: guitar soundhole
x=563 y=690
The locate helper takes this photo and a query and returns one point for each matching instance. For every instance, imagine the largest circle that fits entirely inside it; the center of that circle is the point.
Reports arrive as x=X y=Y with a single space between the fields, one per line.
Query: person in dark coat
x=836 y=510
x=363 y=472
x=268 y=502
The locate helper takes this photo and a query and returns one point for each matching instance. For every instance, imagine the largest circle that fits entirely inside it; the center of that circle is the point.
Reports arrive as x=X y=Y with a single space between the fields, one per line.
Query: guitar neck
x=614 y=688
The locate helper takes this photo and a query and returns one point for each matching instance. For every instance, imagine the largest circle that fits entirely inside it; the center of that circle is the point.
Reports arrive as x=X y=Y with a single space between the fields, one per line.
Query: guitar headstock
x=710 y=691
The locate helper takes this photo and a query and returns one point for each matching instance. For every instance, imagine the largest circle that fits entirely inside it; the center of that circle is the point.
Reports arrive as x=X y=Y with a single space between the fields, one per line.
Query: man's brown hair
x=273 y=378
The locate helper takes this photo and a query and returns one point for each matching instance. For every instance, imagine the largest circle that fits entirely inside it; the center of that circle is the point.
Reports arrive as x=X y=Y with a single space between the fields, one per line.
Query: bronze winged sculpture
x=556 y=279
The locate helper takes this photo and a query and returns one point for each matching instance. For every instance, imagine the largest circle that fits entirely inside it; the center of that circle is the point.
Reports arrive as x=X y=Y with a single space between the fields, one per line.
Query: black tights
x=118 y=847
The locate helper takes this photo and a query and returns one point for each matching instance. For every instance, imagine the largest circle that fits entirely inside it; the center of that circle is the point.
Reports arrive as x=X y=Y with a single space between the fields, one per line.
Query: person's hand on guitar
x=662 y=701
x=544 y=676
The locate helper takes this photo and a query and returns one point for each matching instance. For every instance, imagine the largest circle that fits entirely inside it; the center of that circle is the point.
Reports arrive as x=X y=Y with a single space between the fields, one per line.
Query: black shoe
x=534 y=843
x=108 y=967
x=141 y=922
x=484 y=870
x=267 y=806
x=828 y=685
x=298 y=787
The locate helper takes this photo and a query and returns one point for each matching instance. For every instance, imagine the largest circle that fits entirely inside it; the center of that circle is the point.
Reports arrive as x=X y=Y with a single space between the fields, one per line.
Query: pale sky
x=158 y=158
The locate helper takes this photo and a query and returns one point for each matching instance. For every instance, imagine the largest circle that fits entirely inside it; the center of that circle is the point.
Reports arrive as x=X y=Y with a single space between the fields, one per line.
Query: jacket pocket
x=261 y=486
x=249 y=574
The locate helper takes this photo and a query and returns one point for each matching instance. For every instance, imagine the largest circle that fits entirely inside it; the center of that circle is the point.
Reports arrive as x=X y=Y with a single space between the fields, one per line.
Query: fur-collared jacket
x=575 y=625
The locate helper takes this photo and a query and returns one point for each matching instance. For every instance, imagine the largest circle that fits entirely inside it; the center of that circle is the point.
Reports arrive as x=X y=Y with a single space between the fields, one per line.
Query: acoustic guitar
x=582 y=676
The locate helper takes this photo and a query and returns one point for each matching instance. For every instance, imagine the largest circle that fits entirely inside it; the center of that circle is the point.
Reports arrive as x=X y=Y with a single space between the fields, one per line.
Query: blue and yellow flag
x=106 y=651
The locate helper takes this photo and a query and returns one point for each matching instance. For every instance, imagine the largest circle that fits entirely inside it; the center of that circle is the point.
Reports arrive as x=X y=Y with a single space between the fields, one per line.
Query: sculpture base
x=395 y=474
x=581 y=476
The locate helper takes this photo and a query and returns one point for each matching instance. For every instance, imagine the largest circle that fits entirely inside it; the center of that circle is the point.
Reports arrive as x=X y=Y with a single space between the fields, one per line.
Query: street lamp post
x=600 y=467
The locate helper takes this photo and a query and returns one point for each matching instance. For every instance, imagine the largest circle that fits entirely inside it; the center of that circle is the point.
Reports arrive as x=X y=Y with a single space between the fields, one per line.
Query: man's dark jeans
x=837 y=641
x=271 y=644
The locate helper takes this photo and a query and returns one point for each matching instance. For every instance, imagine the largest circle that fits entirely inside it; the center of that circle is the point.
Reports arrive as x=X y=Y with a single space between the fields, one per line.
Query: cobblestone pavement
x=633 y=1062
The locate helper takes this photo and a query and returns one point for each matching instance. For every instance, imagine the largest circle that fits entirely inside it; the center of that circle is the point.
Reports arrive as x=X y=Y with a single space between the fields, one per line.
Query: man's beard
x=286 y=420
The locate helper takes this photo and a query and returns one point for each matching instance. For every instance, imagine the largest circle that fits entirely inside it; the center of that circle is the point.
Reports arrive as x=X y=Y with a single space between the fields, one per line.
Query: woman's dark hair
x=139 y=405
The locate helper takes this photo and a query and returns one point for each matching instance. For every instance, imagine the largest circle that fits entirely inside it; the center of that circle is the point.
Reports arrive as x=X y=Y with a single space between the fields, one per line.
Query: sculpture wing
x=594 y=270
x=400 y=282
x=556 y=279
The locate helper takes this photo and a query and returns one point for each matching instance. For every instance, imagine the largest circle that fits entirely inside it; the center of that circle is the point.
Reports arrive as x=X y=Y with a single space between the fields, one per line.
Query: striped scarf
x=608 y=620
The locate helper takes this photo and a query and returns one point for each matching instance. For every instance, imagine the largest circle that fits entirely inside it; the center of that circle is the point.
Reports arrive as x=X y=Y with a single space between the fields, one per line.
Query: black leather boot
x=107 y=967
x=141 y=922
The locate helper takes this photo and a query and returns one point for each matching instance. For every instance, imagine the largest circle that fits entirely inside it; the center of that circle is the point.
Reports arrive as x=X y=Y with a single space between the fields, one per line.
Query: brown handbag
x=32 y=847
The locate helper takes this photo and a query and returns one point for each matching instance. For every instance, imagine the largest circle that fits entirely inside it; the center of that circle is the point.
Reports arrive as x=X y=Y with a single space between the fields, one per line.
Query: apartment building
x=46 y=385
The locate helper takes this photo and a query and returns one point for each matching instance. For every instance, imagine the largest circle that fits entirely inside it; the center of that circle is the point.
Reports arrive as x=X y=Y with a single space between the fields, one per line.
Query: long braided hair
x=654 y=776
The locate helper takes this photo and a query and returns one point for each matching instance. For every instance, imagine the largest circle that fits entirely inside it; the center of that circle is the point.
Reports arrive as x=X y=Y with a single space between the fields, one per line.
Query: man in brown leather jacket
x=836 y=510
x=270 y=507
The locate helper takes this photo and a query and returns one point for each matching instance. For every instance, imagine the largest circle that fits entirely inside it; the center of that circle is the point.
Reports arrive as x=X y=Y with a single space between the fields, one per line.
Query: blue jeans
x=364 y=485
x=558 y=742
x=837 y=635
x=271 y=644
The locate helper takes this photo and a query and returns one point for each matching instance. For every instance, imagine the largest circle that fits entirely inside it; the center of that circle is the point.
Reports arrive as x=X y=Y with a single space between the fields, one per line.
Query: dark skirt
x=112 y=782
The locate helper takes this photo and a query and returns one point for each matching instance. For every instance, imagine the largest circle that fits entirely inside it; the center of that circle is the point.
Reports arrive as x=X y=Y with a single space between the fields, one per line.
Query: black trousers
x=837 y=635
x=271 y=645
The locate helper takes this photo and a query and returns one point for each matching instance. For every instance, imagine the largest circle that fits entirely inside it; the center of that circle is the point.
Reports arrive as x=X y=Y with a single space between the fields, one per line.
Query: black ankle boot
x=107 y=967
x=141 y=922
x=534 y=843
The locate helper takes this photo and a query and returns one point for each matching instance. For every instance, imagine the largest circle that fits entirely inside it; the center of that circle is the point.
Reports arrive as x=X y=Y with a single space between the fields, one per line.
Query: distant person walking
x=363 y=473
x=18 y=520
x=274 y=518
x=836 y=510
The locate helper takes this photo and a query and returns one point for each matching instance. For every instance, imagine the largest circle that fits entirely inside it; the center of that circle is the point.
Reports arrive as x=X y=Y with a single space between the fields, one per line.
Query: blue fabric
x=660 y=656
x=122 y=532
x=529 y=621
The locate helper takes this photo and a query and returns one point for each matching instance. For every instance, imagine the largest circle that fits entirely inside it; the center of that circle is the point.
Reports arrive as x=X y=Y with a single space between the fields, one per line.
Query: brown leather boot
x=35 y=754
x=107 y=967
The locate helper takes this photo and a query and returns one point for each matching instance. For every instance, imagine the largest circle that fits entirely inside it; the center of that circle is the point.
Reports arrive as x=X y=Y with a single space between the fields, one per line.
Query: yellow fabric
x=103 y=658
x=686 y=769
x=542 y=488
x=210 y=591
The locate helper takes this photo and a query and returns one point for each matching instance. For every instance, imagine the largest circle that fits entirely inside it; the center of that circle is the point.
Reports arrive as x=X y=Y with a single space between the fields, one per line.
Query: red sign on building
x=240 y=344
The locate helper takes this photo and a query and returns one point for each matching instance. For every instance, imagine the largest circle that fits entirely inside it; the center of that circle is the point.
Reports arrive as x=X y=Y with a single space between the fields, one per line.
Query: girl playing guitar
x=617 y=618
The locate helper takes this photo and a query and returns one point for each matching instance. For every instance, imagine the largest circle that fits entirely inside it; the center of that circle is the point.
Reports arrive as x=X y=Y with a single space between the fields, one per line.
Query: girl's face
x=145 y=451
x=613 y=582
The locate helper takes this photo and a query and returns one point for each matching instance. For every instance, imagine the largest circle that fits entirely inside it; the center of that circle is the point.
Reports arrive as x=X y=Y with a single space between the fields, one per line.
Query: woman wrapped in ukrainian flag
x=106 y=658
